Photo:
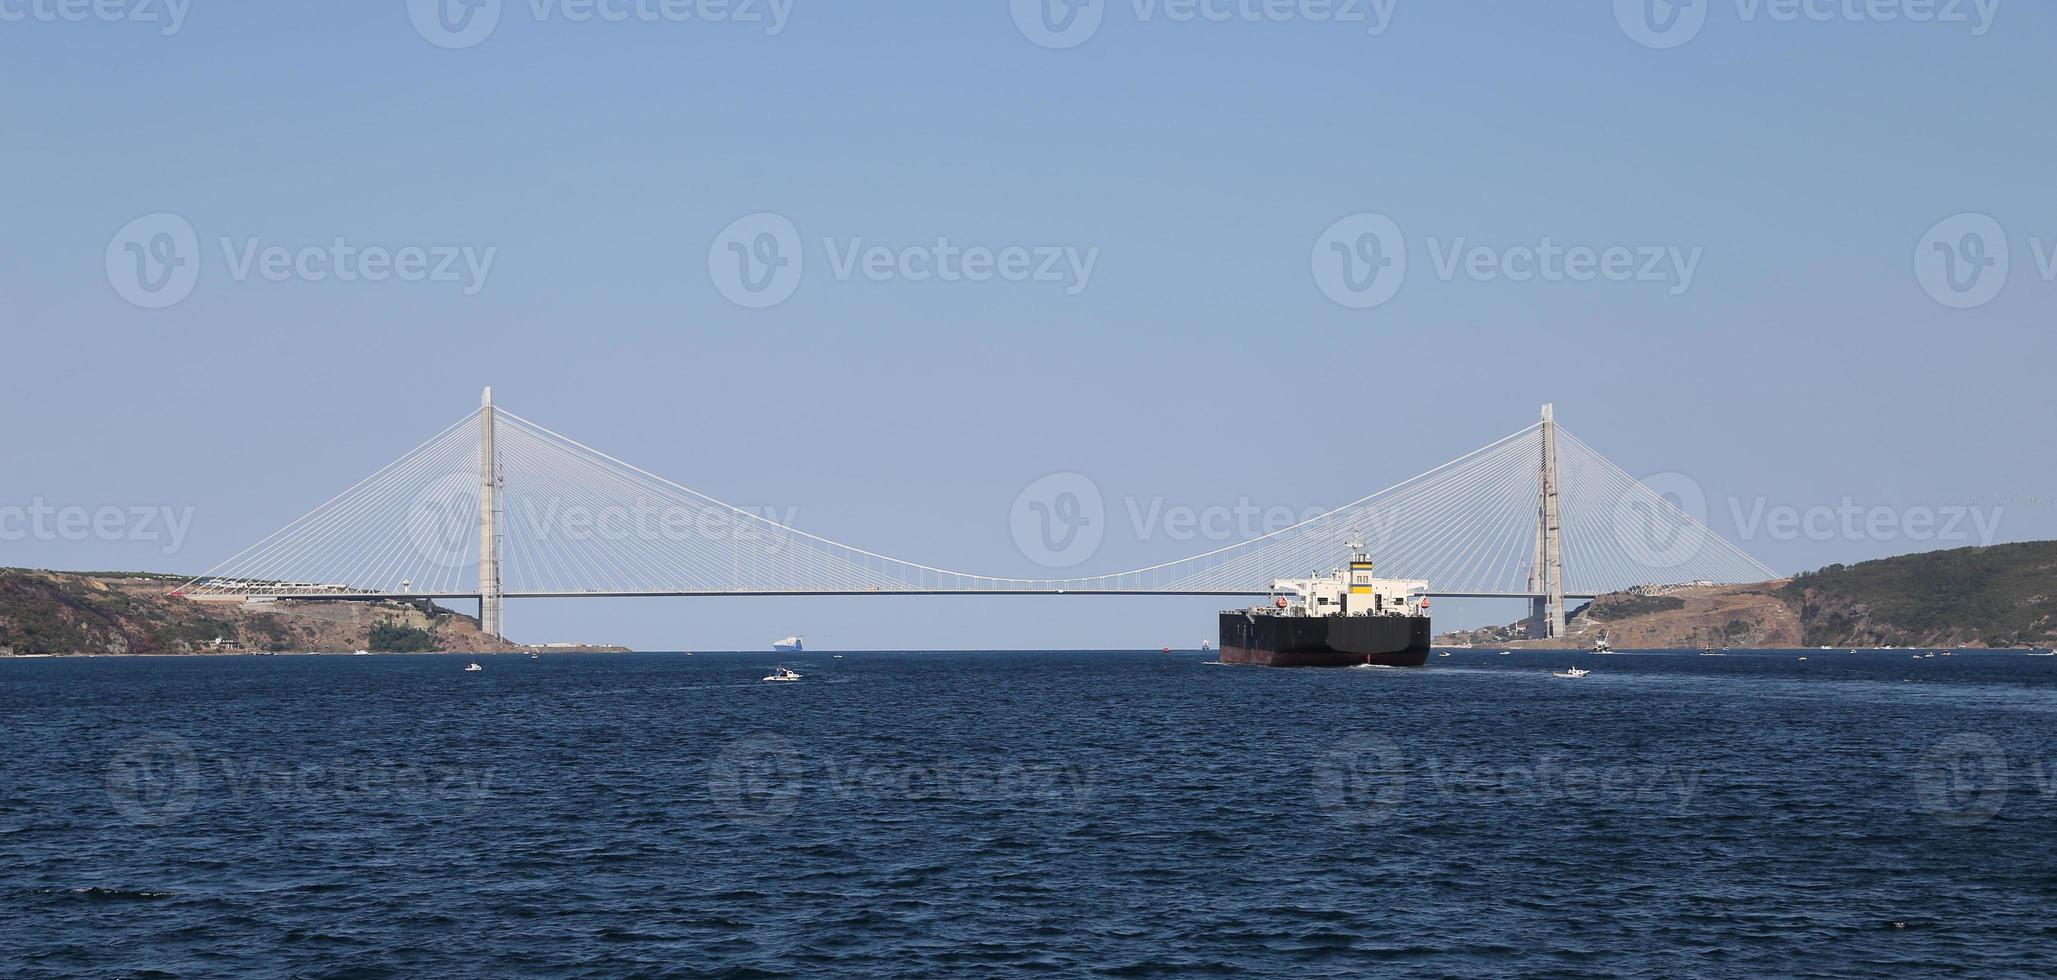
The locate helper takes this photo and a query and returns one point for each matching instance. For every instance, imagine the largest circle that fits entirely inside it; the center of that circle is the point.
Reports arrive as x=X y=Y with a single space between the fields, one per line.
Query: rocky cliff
x=65 y=613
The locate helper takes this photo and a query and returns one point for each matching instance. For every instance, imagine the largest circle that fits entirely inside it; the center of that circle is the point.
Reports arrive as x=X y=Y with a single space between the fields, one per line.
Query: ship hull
x=1324 y=641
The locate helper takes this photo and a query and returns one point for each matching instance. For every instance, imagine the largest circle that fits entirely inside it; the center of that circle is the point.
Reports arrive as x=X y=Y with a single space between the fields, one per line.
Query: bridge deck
x=385 y=596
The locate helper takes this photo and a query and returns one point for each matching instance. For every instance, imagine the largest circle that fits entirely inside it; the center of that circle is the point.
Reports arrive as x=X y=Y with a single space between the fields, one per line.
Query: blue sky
x=1803 y=163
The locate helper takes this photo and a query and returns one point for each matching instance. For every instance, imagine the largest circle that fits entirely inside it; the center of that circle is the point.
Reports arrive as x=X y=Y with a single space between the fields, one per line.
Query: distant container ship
x=790 y=644
x=1342 y=619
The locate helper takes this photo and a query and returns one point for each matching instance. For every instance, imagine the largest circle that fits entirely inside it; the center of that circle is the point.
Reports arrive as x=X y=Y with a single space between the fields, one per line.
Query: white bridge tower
x=1546 y=575
x=489 y=523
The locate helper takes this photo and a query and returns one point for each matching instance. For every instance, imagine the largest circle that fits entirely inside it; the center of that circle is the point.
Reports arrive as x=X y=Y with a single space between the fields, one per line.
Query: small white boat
x=1506 y=653
x=1602 y=646
x=1803 y=660
x=1575 y=672
x=362 y=653
x=472 y=667
x=1443 y=654
x=790 y=644
x=1928 y=656
x=783 y=675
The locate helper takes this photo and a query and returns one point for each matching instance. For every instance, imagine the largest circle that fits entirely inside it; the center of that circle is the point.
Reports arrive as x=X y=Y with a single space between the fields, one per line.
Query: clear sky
x=1792 y=344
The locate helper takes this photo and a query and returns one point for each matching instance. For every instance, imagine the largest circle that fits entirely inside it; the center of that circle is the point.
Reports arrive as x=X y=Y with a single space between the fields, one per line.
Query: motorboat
x=473 y=667
x=1574 y=672
x=783 y=675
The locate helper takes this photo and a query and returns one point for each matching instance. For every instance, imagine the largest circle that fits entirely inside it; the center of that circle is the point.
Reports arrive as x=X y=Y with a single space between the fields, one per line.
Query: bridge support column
x=489 y=523
x=1546 y=576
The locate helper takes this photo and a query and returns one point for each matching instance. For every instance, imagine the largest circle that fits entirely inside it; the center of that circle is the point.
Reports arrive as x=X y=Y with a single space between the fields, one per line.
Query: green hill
x=2003 y=595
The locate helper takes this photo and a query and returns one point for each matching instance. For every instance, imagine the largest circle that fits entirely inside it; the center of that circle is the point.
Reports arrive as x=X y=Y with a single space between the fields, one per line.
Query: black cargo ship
x=1340 y=620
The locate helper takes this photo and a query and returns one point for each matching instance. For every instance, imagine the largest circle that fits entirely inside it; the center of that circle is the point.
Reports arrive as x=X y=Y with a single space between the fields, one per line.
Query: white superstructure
x=1352 y=591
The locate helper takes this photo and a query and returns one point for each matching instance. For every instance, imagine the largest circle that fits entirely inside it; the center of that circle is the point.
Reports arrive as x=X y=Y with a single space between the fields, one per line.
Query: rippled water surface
x=953 y=814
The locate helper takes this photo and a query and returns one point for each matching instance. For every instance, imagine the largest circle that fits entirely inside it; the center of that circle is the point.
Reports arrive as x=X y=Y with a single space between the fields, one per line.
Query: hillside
x=64 y=613
x=1998 y=596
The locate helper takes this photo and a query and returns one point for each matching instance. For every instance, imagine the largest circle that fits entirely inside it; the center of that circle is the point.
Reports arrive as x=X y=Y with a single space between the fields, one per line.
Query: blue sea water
x=961 y=814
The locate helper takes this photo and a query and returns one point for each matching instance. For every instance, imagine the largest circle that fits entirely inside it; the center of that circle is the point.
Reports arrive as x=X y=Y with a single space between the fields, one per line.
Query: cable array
x=574 y=520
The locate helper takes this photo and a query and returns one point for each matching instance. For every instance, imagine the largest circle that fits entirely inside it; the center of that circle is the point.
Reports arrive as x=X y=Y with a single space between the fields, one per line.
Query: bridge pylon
x=489 y=522
x=1546 y=575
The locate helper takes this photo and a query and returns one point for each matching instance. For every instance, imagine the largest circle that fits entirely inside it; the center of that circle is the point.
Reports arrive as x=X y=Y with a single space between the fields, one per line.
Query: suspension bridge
x=498 y=507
